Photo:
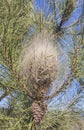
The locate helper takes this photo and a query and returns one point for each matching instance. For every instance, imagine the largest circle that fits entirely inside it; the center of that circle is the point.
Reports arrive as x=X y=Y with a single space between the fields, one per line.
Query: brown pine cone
x=38 y=111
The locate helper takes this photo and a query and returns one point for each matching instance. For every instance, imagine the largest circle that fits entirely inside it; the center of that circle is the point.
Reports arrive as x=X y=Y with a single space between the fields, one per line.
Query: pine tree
x=27 y=92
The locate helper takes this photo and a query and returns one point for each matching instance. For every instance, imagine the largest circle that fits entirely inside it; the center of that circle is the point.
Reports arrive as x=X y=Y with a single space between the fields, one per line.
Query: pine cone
x=38 y=111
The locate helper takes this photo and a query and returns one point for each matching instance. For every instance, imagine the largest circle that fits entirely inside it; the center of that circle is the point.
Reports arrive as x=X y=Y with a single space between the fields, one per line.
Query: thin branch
x=67 y=12
x=67 y=82
x=74 y=99
x=73 y=33
x=2 y=85
x=55 y=17
x=54 y=4
x=23 y=87
x=4 y=95
x=70 y=77
x=8 y=6
x=27 y=91
x=5 y=53
x=74 y=23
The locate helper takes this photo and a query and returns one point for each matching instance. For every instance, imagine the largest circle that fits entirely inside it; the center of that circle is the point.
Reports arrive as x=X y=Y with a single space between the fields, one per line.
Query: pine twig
x=74 y=99
x=67 y=11
x=5 y=53
x=74 y=23
x=27 y=91
x=70 y=77
x=68 y=80
x=5 y=93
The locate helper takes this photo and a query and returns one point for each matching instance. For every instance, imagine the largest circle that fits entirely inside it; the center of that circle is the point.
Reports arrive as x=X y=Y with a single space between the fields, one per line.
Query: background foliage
x=20 y=22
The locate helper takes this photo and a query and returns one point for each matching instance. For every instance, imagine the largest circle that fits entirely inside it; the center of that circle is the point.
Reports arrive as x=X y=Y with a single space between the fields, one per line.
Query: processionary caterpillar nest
x=39 y=65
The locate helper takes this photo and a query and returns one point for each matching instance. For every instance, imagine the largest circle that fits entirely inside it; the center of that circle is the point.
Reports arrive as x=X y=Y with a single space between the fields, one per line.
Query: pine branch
x=75 y=34
x=5 y=54
x=74 y=23
x=8 y=6
x=69 y=7
x=70 y=77
x=27 y=91
x=5 y=93
x=24 y=88
x=74 y=99
x=55 y=17
x=63 y=86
